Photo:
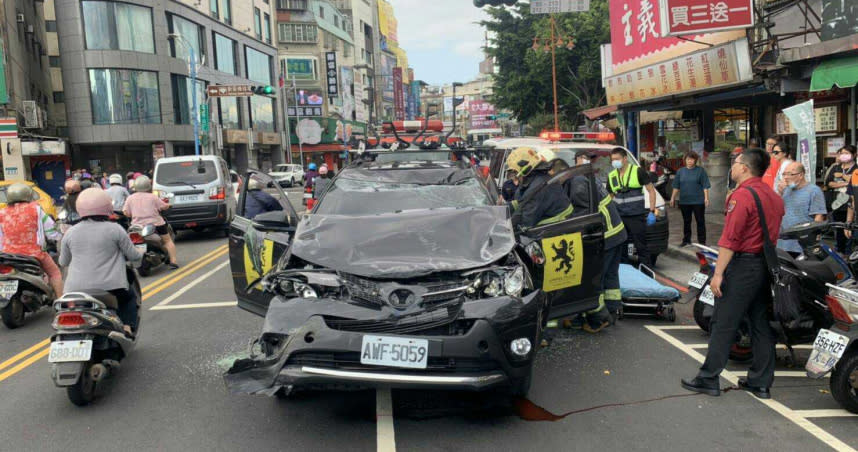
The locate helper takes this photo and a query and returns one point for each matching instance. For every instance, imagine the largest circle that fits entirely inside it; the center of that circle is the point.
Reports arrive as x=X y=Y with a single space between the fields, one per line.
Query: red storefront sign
x=683 y=17
x=398 y=95
x=480 y=111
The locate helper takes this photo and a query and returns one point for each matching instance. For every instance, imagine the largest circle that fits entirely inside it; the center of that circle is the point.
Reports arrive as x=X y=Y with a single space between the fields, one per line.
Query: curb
x=676 y=252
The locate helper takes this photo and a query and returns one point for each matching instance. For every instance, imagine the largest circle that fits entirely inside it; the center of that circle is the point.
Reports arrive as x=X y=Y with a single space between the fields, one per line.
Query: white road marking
x=385 y=439
x=825 y=413
x=219 y=304
x=794 y=374
x=780 y=346
x=679 y=327
x=778 y=407
x=190 y=286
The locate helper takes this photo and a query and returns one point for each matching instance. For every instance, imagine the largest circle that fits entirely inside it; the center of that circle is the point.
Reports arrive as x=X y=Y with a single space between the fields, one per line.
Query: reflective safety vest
x=566 y=213
x=615 y=233
x=628 y=192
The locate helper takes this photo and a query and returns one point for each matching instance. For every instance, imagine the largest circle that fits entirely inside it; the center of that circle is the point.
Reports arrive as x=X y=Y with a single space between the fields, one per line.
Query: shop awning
x=842 y=72
x=598 y=112
x=655 y=116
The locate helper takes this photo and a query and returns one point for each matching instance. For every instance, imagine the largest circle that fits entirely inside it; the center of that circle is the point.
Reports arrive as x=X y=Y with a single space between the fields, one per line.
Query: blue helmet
x=312 y=166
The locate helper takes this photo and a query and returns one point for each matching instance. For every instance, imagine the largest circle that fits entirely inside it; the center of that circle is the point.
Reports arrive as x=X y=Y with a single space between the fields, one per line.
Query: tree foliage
x=523 y=81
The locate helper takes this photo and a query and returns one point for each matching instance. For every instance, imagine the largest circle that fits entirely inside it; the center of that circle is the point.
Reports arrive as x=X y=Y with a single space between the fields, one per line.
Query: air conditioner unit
x=20 y=18
x=31 y=114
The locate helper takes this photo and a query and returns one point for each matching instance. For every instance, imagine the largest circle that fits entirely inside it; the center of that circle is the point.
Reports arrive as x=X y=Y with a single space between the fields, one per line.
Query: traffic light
x=481 y=3
x=263 y=89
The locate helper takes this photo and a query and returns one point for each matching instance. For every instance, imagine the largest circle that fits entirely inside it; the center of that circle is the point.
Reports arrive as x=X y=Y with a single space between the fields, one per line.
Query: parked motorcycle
x=818 y=267
x=90 y=341
x=24 y=288
x=156 y=255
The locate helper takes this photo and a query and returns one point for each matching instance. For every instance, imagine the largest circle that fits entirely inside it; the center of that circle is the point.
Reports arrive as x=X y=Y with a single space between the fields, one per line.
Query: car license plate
x=827 y=350
x=70 y=351
x=8 y=288
x=707 y=296
x=698 y=280
x=188 y=198
x=394 y=352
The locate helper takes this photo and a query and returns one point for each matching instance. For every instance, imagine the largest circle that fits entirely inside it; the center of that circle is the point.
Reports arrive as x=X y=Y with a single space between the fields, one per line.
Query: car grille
x=439 y=293
x=435 y=323
x=351 y=361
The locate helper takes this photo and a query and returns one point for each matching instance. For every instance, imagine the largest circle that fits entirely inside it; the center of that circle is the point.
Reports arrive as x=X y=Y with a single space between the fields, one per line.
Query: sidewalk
x=714 y=226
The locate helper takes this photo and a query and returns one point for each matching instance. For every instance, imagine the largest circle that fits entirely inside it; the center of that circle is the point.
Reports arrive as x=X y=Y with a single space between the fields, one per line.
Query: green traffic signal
x=264 y=89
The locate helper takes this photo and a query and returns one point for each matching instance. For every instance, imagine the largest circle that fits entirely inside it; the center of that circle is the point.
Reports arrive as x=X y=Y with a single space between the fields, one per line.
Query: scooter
x=818 y=266
x=90 y=341
x=156 y=255
x=24 y=288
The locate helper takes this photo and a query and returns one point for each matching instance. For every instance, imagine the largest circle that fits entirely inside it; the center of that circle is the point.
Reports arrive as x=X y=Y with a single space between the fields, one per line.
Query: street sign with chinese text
x=303 y=112
x=398 y=94
x=204 y=118
x=331 y=74
x=827 y=120
x=481 y=113
x=229 y=90
x=558 y=6
x=684 y=17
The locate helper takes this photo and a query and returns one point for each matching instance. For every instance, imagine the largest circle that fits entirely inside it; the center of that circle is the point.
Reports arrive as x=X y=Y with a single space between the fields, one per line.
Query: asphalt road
x=169 y=394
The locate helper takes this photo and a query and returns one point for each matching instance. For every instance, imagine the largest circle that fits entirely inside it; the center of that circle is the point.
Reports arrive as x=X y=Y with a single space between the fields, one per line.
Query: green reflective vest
x=628 y=192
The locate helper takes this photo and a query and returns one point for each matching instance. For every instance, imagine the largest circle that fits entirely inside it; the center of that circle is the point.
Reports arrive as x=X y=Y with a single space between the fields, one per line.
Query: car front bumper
x=320 y=355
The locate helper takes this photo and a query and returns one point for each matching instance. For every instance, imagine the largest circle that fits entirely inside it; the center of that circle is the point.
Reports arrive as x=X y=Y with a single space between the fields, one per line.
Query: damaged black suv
x=408 y=275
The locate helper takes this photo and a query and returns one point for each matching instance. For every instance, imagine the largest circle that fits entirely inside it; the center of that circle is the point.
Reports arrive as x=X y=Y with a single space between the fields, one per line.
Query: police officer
x=740 y=283
x=627 y=183
x=533 y=205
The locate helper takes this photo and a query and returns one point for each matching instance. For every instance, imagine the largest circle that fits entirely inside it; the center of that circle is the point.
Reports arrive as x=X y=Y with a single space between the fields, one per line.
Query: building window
x=336 y=21
x=262 y=113
x=297 y=32
x=258 y=65
x=321 y=11
x=230 y=112
x=226 y=7
x=191 y=32
x=183 y=109
x=121 y=96
x=224 y=54
x=347 y=50
x=257 y=23
x=213 y=5
x=292 y=4
x=59 y=97
x=118 y=26
x=50 y=26
x=54 y=61
x=266 y=28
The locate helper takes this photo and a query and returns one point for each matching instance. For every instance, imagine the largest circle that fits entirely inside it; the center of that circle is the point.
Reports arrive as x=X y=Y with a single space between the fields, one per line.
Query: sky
x=442 y=38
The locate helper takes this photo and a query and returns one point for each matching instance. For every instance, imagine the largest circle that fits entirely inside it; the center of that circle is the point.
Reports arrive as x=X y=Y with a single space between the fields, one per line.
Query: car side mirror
x=277 y=220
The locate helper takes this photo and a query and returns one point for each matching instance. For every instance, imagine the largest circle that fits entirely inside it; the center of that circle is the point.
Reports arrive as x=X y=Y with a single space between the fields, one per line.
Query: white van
x=199 y=190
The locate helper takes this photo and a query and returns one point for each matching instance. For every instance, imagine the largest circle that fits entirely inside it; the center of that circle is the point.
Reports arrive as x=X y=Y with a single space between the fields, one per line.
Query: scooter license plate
x=698 y=280
x=706 y=296
x=308 y=195
x=70 y=351
x=141 y=247
x=8 y=288
x=828 y=348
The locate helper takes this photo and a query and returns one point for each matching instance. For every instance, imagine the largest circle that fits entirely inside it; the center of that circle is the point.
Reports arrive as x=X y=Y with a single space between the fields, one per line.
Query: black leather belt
x=747 y=254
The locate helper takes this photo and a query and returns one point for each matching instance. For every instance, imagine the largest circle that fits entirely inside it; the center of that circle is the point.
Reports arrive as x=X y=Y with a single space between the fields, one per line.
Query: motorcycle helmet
x=547 y=155
x=115 y=179
x=142 y=184
x=72 y=186
x=94 y=203
x=86 y=183
x=312 y=167
x=19 y=193
x=523 y=160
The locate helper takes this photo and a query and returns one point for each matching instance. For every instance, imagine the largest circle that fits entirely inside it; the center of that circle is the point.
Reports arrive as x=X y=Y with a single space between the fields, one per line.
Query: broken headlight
x=535 y=252
x=500 y=281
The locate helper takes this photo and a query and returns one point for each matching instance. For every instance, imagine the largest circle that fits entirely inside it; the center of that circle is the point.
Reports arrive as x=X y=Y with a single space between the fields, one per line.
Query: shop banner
x=480 y=111
x=827 y=121
x=325 y=130
x=332 y=76
x=387 y=64
x=683 y=17
x=802 y=118
x=717 y=66
x=398 y=99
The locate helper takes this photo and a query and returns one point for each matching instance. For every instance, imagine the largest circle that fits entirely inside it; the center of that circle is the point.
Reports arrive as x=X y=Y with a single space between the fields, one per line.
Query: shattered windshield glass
x=358 y=197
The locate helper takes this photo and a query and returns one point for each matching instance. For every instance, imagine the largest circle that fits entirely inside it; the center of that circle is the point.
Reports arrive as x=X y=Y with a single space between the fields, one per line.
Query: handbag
x=786 y=286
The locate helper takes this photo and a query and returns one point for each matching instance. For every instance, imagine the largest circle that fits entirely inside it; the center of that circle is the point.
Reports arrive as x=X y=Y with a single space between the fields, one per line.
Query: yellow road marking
x=151 y=289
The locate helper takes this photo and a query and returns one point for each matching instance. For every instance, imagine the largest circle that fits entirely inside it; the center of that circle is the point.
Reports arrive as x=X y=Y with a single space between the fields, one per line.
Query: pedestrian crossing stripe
x=564 y=261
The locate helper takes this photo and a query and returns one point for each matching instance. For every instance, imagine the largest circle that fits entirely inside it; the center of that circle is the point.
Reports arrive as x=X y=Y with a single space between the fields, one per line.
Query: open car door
x=257 y=243
x=572 y=271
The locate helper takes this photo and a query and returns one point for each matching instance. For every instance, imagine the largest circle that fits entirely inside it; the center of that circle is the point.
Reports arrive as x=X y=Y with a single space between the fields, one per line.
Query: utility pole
x=284 y=93
x=455 y=84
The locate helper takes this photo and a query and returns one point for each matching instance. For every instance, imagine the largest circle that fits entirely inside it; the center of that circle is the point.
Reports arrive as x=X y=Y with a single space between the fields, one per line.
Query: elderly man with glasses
x=803 y=202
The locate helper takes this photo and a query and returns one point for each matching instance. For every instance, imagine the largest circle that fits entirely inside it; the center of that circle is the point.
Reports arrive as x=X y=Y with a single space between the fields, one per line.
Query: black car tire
x=841 y=387
x=699 y=317
x=13 y=313
x=291 y=182
x=82 y=392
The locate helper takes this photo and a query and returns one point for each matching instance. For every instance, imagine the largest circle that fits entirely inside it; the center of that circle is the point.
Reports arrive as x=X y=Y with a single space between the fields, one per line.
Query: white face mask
x=617 y=164
x=585 y=162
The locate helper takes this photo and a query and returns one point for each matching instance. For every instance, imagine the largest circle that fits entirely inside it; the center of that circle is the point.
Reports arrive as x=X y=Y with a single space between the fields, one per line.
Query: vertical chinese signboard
x=332 y=76
x=683 y=17
x=802 y=118
x=398 y=98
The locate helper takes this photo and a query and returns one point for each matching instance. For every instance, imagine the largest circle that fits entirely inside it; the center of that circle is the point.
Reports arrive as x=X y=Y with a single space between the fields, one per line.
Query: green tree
x=523 y=82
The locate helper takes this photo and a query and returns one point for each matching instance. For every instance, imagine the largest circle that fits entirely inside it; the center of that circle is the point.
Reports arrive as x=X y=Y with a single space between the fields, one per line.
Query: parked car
x=287 y=174
x=199 y=190
x=657 y=234
x=407 y=275
x=44 y=199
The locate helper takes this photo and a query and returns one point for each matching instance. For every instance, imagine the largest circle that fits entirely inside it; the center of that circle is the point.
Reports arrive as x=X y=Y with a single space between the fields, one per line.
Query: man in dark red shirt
x=740 y=283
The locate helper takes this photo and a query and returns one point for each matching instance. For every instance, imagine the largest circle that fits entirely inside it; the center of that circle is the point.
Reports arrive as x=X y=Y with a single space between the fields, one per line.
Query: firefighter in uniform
x=628 y=184
x=741 y=282
x=533 y=206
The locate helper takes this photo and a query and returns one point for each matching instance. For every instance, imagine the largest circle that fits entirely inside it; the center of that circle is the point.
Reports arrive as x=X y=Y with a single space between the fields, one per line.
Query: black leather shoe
x=698 y=385
x=763 y=393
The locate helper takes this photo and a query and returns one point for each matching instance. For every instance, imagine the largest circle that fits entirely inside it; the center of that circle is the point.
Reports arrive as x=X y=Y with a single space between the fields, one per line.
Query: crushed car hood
x=406 y=244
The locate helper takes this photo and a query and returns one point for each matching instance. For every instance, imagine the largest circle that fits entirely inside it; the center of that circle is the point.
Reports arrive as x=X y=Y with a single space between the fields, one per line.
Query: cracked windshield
x=428 y=225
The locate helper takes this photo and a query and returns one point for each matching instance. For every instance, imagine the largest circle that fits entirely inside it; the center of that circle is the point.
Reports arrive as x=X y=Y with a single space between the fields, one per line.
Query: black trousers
x=698 y=210
x=744 y=293
x=843 y=245
x=636 y=228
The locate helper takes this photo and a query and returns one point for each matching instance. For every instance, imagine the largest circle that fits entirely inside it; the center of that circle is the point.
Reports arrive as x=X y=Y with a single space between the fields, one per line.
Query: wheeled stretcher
x=643 y=295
